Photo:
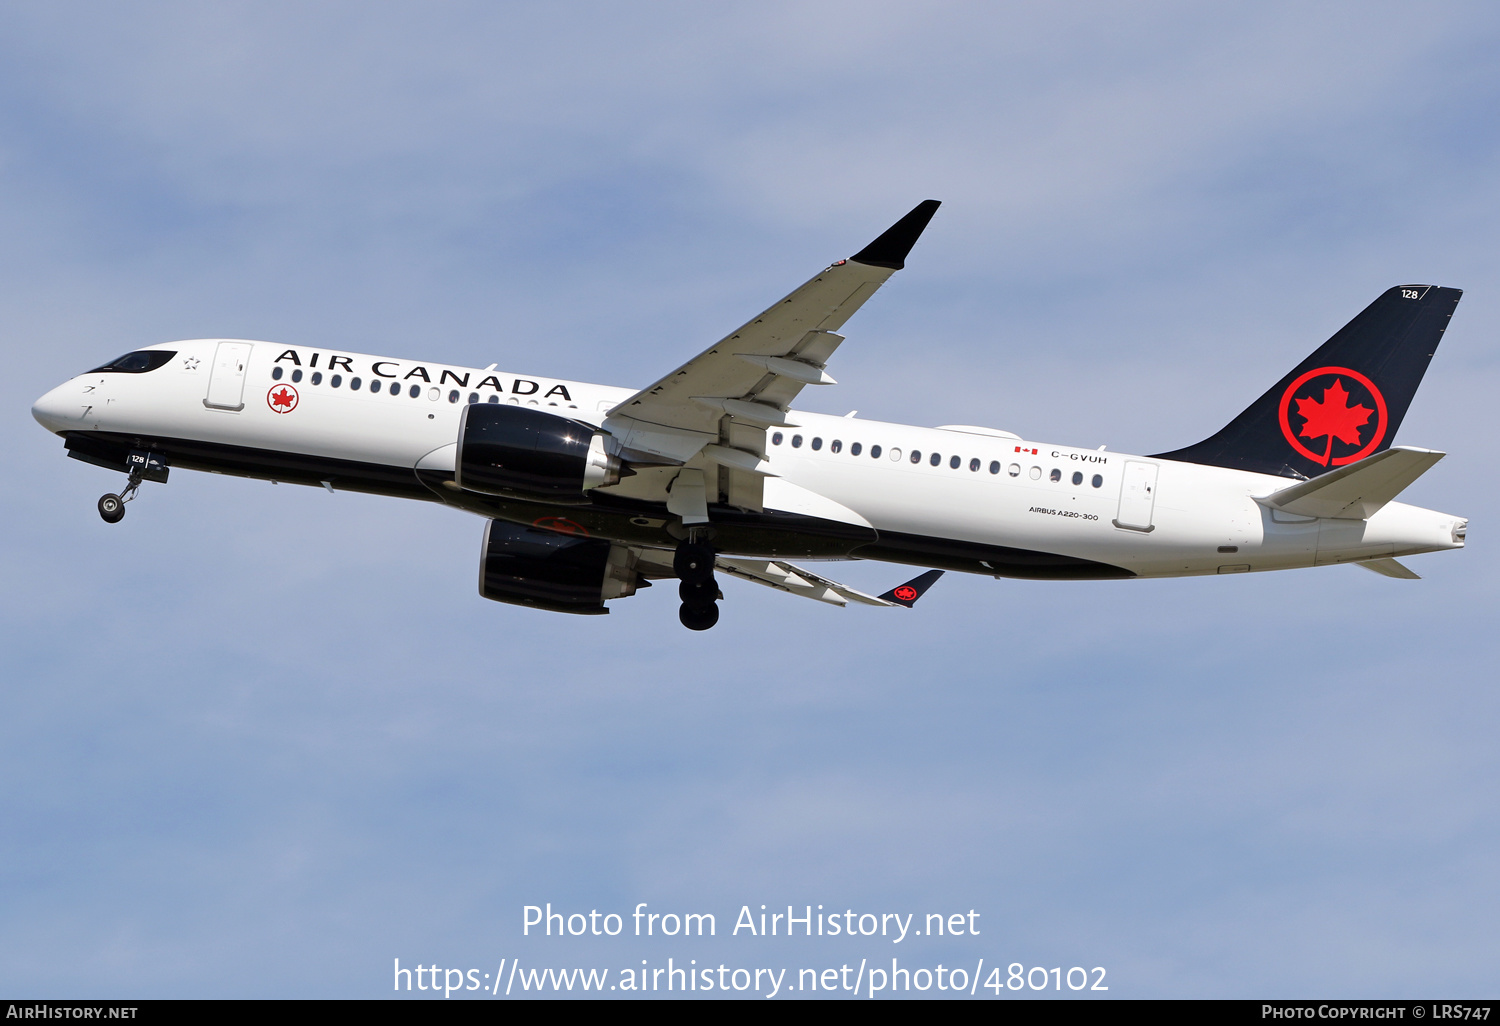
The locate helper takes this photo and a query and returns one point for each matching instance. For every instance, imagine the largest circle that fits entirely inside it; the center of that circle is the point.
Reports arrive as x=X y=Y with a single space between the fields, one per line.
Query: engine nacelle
x=524 y=453
x=565 y=573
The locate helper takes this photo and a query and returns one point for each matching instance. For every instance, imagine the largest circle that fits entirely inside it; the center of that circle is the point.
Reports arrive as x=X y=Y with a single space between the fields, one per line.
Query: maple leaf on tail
x=1333 y=417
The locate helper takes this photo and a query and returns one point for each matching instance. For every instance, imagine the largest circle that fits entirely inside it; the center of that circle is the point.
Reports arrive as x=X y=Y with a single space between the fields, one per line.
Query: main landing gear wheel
x=111 y=508
x=697 y=617
x=698 y=593
x=694 y=561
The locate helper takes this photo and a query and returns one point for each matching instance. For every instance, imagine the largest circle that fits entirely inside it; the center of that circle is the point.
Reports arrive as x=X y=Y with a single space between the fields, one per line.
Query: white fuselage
x=1149 y=516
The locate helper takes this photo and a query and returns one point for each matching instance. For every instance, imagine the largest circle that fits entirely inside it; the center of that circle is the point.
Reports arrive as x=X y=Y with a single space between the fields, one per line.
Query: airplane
x=592 y=492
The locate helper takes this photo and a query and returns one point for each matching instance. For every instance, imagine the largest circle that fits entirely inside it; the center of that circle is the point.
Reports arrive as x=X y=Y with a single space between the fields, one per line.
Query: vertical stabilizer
x=1344 y=402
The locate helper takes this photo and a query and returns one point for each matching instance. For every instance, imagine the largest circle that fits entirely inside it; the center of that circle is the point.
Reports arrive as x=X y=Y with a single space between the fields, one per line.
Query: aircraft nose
x=51 y=410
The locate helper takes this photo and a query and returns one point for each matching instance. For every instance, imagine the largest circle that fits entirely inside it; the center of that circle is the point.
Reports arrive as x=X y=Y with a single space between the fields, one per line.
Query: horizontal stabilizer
x=1389 y=568
x=908 y=593
x=1356 y=491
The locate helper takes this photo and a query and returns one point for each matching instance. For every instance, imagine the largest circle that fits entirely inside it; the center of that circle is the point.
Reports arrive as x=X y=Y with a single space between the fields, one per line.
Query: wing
x=726 y=397
x=797 y=581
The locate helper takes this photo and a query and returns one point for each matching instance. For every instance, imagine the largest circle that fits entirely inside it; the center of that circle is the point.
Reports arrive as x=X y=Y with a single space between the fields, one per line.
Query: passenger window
x=954 y=462
x=317 y=378
x=1098 y=480
x=453 y=396
x=473 y=398
x=493 y=398
x=354 y=384
x=817 y=443
x=916 y=455
x=776 y=438
x=895 y=453
x=276 y=373
x=297 y=374
x=1036 y=473
x=1056 y=475
x=874 y=452
x=835 y=446
x=854 y=449
x=395 y=388
x=935 y=459
x=374 y=385
x=796 y=441
x=1077 y=478
x=337 y=380
x=415 y=391
x=974 y=465
x=994 y=466
x=434 y=394
x=1014 y=470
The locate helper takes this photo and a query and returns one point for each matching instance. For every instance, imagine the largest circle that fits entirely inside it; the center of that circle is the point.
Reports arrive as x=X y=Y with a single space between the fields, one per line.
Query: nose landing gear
x=144 y=466
x=694 y=563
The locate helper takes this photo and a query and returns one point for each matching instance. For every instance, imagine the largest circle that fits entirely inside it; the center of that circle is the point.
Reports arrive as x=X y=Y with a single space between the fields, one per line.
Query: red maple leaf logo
x=905 y=593
x=1333 y=417
x=282 y=398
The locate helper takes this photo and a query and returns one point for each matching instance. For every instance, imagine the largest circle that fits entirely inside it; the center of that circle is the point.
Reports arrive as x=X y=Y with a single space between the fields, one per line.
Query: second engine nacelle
x=547 y=570
x=523 y=453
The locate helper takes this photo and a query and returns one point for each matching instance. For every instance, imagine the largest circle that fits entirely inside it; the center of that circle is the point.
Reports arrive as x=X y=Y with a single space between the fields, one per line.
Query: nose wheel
x=694 y=563
x=111 y=508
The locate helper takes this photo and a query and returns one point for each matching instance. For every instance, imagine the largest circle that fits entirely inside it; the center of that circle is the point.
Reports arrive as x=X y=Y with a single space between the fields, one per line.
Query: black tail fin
x=1346 y=400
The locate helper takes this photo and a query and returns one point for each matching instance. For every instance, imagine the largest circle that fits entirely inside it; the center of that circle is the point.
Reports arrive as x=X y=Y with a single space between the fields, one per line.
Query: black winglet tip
x=908 y=593
x=890 y=249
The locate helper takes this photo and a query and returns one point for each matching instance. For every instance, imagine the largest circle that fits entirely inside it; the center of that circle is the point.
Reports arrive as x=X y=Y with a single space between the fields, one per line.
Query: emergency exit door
x=226 y=384
x=1137 y=496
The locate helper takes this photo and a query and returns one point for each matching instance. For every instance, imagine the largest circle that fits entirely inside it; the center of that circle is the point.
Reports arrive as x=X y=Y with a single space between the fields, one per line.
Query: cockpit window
x=138 y=362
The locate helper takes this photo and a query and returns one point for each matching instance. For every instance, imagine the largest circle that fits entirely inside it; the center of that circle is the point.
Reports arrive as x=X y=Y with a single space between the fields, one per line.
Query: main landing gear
x=694 y=563
x=143 y=467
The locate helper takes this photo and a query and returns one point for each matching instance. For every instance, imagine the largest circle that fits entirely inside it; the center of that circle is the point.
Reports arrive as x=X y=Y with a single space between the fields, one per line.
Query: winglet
x=908 y=593
x=891 y=248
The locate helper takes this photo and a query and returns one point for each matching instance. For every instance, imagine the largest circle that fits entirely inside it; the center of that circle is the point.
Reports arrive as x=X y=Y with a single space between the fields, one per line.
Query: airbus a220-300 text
x=592 y=492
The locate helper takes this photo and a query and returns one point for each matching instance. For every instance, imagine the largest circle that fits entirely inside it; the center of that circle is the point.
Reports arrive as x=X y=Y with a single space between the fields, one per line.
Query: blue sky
x=259 y=740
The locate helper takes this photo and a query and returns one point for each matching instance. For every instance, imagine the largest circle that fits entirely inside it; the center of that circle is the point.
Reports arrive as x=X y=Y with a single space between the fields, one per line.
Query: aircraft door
x=1137 y=496
x=226 y=384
